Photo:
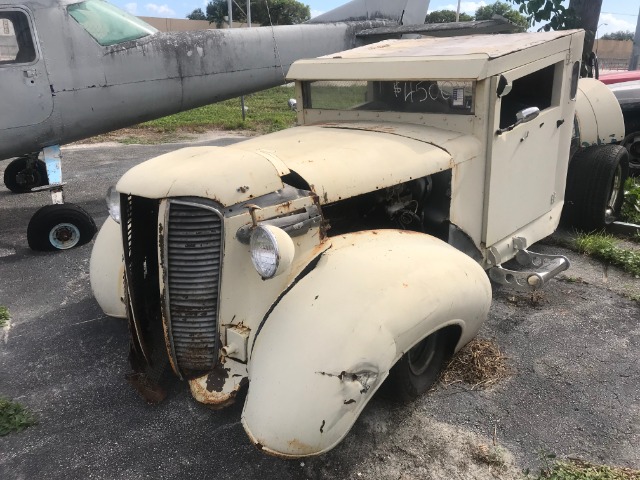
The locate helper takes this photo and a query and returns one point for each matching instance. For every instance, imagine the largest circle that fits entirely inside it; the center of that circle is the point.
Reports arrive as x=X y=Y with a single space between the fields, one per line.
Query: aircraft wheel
x=20 y=179
x=60 y=227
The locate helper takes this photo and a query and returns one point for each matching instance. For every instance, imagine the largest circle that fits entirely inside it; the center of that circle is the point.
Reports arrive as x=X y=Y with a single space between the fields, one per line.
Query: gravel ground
x=574 y=353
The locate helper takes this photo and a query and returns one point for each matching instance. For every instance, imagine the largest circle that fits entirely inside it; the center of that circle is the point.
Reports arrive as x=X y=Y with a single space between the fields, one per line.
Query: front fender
x=330 y=341
x=106 y=270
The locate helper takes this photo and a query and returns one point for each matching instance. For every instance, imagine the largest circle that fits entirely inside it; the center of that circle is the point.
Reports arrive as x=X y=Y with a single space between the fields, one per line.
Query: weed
x=570 y=279
x=492 y=456
x=574 y=469
x=14 y=417
x=4 y=316
x=603 y=246
x=631 y=206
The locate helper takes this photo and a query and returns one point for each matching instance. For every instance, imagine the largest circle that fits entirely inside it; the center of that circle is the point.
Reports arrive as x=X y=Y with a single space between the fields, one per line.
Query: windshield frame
x=107 y=24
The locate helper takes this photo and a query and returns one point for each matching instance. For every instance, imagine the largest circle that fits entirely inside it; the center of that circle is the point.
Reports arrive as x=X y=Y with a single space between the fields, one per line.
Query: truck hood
x=337 y=160
x=342 y=160
x=218 y=173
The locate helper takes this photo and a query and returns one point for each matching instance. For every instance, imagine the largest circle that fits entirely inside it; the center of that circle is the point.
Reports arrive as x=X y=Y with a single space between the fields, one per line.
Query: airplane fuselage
x=72 y=87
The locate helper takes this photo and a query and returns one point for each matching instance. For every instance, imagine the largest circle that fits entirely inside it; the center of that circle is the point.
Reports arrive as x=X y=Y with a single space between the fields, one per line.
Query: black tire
x=595 y=186
x=60 y=227
x=19 y=179
x=419 y=368
x=632 y=143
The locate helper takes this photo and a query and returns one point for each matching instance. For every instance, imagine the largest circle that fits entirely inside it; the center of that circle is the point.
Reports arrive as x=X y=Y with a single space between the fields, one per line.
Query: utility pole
x=230 y=12
x=244 y=110
x=633 y=62
x=588 y=13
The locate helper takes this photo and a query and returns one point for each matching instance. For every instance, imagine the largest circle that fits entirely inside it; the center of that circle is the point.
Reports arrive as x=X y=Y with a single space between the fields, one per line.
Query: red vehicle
x=626 y=87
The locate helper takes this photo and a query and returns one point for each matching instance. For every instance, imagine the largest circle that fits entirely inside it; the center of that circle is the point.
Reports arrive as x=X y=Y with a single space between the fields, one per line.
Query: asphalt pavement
x=574 y=390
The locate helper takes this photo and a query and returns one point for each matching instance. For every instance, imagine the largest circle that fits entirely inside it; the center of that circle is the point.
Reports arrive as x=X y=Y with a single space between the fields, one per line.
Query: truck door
x=525 y=160
x=26 y=97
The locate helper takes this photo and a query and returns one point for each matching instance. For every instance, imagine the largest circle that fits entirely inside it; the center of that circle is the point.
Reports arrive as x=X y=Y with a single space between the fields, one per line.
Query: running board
x=541 y=269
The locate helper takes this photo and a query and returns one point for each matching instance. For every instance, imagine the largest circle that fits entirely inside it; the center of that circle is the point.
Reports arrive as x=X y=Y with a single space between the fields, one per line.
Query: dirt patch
x=409 y=444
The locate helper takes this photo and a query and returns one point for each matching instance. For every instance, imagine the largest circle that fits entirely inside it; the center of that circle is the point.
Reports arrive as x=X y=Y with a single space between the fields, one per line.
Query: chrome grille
x=193 y=257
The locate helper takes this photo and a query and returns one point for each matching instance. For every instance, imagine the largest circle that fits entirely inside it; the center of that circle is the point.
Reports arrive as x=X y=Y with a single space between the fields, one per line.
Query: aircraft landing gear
x=62 y=225
x=25 y=173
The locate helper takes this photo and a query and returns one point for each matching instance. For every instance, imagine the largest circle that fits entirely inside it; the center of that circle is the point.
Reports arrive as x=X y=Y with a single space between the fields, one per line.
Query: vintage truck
x=318 y=262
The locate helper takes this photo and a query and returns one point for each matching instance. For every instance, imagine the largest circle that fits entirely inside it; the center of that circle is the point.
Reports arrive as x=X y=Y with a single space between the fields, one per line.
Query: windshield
x=108 y=24
x=426 y=96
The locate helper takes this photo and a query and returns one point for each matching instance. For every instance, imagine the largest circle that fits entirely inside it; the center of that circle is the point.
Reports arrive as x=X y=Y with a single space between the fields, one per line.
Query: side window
x=16 y=41
x=533 y=90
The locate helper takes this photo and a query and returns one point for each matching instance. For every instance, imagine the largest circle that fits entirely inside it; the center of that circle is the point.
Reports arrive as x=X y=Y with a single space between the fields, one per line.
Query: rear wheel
x=19 y=177
x=595 y=186
x=632 y=143
x=419 y=368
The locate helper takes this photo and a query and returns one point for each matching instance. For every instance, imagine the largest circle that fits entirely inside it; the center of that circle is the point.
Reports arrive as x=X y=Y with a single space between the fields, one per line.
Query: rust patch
x=243 y=189
x=217 y=378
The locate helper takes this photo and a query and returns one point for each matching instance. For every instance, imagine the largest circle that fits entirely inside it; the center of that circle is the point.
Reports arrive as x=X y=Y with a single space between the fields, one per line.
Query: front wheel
x=60 y=227
x=419 y=368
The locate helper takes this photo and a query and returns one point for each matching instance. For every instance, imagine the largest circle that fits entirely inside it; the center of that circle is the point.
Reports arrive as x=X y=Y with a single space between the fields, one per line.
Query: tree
x=505 y=10
x=197 y=14
x=579 y=14
x=446 y=16
x=276 y=12
x=619 y=35
x=557 y=16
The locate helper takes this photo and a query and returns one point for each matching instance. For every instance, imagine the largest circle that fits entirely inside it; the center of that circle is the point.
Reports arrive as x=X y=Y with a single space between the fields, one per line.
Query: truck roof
x=472 y=57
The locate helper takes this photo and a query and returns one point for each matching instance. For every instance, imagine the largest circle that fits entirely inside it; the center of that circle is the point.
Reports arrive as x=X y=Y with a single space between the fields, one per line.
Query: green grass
x=267 y=112
x=581 y=470
x=14 y=417
x=631 y=205
x=4 y=316
x=604 y=247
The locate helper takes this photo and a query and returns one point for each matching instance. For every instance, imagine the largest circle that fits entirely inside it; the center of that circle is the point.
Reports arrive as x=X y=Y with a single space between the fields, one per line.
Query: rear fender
x=330 y=341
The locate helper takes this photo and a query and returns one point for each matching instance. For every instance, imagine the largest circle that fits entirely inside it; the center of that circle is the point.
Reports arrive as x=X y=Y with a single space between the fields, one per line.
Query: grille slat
x=194 y=255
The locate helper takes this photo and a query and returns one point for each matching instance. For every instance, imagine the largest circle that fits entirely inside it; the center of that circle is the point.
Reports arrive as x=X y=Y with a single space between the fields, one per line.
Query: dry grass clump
x=479 y=364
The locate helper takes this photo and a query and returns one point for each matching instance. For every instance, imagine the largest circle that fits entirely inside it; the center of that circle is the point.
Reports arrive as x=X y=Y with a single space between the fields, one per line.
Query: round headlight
x=272 y=250
x=113 y=203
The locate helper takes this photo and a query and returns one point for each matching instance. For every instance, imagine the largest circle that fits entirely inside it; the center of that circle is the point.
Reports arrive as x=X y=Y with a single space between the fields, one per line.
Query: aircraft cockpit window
x=107 y=24
x=426 y=96
x=16 y=41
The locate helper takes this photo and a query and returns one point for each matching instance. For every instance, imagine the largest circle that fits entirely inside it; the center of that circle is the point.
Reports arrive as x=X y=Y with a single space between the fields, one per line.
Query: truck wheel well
x=452 y=334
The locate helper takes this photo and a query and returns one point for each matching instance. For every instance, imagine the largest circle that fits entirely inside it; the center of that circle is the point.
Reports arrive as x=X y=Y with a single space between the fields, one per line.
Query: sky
x=615 y=15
